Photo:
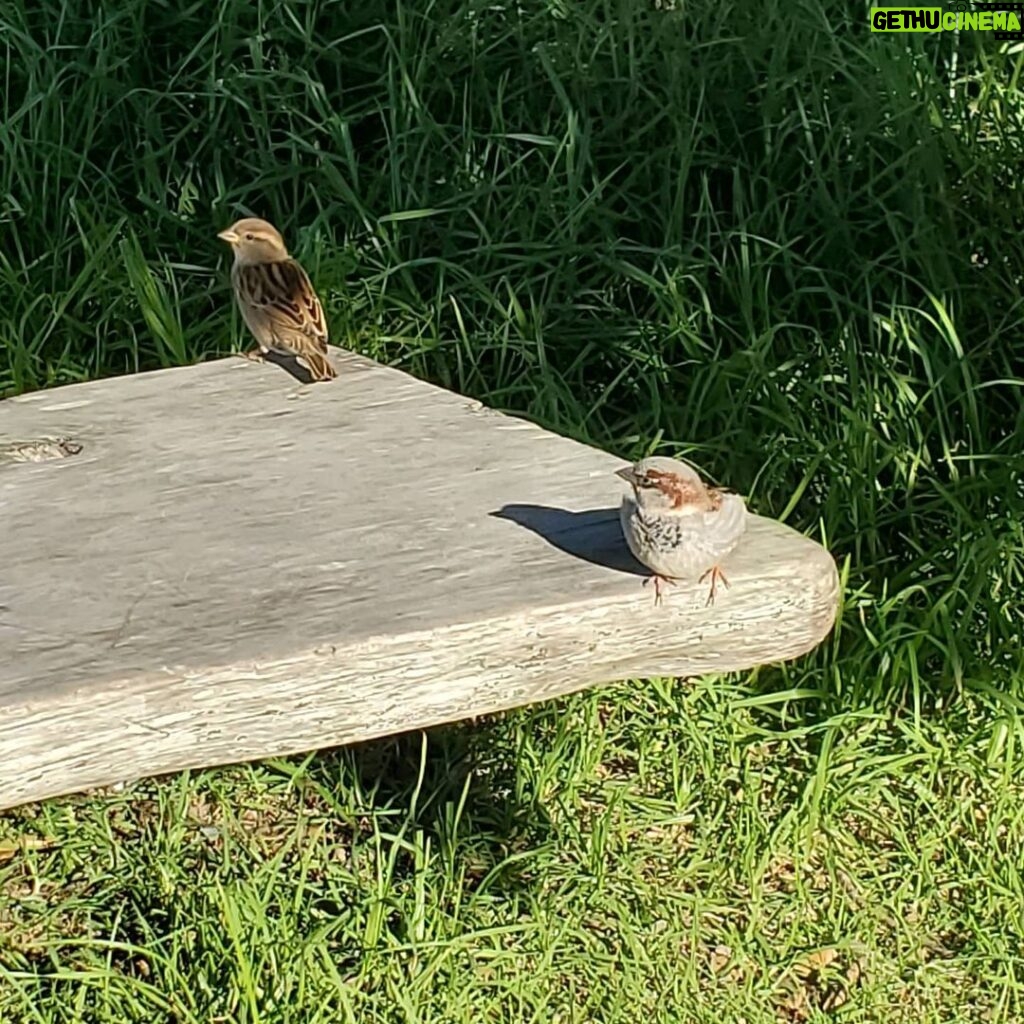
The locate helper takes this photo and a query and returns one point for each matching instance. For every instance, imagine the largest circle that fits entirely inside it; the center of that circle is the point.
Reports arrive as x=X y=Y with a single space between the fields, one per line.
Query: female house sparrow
x=676 y=525
x=275 y=297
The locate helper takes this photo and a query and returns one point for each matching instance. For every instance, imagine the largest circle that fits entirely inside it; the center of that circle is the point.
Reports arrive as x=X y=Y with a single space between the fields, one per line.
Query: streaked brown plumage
x=276 y=298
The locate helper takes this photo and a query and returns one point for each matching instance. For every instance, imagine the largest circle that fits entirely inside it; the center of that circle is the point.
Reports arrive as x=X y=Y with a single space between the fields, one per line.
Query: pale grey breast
x=683 y=546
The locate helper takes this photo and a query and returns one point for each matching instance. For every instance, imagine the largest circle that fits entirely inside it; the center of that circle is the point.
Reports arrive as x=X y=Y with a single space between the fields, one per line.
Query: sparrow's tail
x=320 y=367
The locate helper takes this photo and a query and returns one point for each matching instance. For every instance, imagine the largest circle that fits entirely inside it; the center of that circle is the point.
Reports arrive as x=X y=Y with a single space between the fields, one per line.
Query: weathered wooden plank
x=233 y=567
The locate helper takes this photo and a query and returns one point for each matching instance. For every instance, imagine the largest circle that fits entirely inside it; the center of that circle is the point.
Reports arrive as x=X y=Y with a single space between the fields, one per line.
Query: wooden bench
x=212 y=564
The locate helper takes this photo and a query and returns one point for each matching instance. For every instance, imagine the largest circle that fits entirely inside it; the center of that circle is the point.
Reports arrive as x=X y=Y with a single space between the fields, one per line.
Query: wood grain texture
x=232 y=566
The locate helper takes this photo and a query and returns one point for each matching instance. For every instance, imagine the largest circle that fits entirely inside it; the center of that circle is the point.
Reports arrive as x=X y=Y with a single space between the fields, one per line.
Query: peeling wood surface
x=210 y=564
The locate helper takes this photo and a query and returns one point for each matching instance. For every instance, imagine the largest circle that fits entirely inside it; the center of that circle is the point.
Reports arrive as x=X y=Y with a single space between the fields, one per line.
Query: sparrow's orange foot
x=660 y=582
x=716 y=574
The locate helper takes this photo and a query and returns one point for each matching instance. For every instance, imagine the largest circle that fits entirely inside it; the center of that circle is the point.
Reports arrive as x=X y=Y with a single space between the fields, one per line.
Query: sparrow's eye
x=250 y=237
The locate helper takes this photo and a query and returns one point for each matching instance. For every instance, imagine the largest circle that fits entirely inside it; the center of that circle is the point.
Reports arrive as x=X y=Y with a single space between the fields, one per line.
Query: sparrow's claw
x=660 y=582
x=716 y=574
x=255 y=354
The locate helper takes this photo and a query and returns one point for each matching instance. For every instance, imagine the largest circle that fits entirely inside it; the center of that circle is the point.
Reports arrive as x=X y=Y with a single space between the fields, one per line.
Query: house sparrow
x=275 y=297
x=676 y=525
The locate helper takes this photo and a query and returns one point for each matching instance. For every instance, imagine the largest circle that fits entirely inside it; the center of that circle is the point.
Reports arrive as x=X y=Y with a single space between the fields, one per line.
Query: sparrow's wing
x=730 y=518
x=285 y=298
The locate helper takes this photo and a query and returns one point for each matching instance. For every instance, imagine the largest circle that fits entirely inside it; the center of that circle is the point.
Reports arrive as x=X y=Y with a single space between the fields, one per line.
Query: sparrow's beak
x=628 y=474
x=228 y=236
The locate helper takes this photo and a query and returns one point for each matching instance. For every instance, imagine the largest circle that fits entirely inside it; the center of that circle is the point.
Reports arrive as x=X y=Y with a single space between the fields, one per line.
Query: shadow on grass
x=449 y=783
x=594 y=535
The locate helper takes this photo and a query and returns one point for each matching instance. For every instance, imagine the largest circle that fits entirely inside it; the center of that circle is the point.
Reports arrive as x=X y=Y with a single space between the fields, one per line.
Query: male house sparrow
x=275 y=297
x=676 y=525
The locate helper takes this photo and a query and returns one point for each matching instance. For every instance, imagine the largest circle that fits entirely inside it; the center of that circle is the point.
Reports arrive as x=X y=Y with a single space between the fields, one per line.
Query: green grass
x=776 y=244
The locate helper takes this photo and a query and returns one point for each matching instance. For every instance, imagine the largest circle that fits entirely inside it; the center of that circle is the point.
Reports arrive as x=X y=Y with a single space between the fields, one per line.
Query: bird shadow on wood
x=594 y=535
x=289 y=364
